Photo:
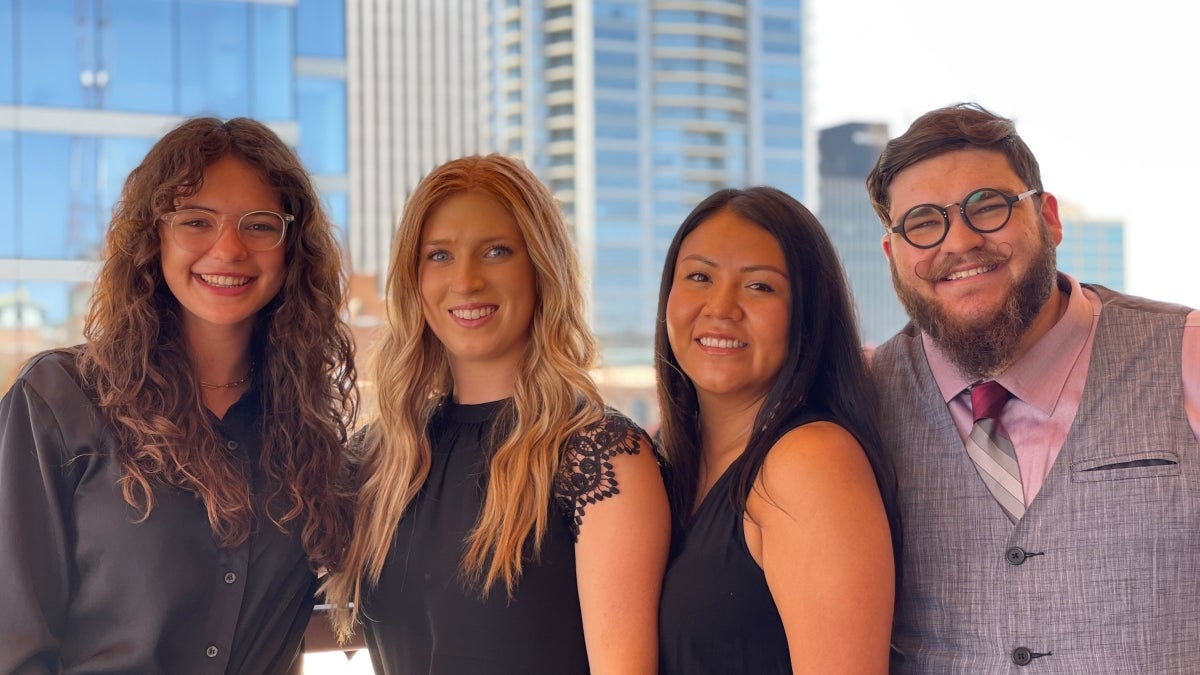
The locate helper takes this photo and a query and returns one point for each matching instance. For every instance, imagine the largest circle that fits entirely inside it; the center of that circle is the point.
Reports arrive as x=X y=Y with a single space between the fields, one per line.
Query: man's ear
x=1049 y=212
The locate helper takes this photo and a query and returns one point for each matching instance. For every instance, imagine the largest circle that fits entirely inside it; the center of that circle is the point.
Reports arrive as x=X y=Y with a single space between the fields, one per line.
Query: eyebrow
x=198 y=207
x=502 y=239
x=201 y=207
x=748 y=268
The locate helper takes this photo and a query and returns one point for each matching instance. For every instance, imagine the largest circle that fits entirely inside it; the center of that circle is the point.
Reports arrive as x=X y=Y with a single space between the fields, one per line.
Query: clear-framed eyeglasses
x=196 y=230
x=984 y=210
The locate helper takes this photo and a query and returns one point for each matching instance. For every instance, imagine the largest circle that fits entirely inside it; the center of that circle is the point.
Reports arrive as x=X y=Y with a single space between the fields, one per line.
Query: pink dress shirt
x=1047 y=384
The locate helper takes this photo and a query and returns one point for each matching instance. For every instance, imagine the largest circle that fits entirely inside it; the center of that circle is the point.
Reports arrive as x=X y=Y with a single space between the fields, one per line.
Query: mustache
x=928 y=270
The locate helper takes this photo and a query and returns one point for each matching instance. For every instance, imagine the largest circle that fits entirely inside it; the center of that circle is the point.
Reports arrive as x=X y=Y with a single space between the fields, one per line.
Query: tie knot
x=987 y=398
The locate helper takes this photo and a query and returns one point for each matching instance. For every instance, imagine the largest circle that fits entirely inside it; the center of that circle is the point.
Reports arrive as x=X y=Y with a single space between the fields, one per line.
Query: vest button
x=1015 y=556
x=1022 y=656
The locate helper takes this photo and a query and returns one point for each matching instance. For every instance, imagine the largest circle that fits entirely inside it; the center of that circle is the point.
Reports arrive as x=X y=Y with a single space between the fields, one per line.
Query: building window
x=321 y=106
x=321 y=29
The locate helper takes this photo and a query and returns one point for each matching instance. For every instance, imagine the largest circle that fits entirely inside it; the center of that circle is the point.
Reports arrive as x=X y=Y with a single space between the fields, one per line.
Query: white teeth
x=471 y=314
x=721 y=343
x=964 y=274
x=224 y=281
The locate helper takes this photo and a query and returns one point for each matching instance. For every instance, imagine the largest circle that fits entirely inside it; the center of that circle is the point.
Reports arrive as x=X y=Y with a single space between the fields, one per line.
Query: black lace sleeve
x=586 y=475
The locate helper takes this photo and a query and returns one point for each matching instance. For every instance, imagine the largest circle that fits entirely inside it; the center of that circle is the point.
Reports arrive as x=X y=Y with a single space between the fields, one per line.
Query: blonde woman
x=506 y=521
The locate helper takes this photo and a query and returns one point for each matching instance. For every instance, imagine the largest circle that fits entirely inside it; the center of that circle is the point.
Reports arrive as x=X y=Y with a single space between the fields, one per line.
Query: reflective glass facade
x=1093 y=249
x=87 y=86
x=635 y=111
x=848 y=152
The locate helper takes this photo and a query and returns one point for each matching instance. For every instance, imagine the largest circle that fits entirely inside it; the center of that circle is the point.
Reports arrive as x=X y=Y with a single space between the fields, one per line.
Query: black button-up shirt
x=84 y=587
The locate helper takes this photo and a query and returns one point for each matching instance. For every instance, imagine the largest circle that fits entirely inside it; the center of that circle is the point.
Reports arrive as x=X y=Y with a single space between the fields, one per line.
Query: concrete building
x=847 y=154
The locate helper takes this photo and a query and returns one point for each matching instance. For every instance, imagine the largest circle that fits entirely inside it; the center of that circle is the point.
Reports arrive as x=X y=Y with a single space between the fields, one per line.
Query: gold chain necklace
x=230 y=385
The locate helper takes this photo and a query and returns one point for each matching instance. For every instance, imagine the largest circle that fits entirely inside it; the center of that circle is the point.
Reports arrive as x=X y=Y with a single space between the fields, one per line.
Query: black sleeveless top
x=421 y=617
x=717 y=614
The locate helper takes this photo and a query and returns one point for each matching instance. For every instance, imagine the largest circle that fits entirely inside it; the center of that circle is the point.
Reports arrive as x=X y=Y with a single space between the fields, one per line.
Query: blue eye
x=437 y=256
x=498 y=252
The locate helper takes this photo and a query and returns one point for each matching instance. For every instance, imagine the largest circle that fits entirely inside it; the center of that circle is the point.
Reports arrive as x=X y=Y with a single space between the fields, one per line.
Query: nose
x=960 y=237
x=722 y=302
x=467 y=277
x=228 y=245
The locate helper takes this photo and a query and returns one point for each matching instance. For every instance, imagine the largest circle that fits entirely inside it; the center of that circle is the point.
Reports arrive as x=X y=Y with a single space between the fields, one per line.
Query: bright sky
x=1104 y=93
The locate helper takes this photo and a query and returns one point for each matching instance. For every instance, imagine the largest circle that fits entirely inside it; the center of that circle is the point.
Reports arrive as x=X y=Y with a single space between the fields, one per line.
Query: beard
x=984 y=348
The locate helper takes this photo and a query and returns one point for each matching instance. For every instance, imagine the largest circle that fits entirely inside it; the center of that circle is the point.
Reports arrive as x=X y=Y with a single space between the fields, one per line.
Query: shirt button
x=1015 y=555
x=232 y=445
x=230 y=577
x=1022 y=656
x=211 y=652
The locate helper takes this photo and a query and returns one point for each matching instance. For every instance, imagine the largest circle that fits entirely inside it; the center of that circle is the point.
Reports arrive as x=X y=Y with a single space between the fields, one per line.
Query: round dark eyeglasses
x=984 y=210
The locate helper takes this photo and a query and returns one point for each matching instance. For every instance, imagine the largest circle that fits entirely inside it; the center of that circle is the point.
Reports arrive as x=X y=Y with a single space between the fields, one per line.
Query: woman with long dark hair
x=169 y=488
x=782 y=559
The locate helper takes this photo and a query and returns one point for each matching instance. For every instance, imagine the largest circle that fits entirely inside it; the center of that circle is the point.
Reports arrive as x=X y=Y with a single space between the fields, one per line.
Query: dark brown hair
x=135 y=356
x=825 y=372
x=940 y=131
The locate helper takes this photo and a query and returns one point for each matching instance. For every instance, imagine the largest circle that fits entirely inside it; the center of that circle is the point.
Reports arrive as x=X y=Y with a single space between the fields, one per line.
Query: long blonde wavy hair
x=553 y=397
x=135 y=357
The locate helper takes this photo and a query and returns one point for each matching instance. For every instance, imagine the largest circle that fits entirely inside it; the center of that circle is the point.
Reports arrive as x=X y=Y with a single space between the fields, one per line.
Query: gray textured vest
x=1102 y=574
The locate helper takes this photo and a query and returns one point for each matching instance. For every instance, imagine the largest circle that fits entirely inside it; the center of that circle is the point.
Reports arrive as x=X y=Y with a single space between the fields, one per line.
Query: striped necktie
x=991 y=450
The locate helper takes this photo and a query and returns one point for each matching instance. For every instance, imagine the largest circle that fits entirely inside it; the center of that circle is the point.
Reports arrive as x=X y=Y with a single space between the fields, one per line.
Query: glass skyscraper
x=635 y=110
x=848 y=152
x=1092 y=249
x=87 y=86
x=632 y=111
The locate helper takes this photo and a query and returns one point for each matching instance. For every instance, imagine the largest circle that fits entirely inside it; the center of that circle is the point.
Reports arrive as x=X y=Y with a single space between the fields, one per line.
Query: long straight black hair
x=824 y=372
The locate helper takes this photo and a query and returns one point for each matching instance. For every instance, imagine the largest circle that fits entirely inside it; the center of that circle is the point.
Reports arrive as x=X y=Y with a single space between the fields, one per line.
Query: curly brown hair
x=135 y=357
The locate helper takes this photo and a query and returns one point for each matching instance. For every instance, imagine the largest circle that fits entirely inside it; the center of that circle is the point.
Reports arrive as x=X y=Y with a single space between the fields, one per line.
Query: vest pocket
x=1151 y=464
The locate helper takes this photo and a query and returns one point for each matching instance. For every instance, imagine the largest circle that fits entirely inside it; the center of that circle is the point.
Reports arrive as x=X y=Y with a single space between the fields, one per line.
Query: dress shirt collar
x=1038 y=377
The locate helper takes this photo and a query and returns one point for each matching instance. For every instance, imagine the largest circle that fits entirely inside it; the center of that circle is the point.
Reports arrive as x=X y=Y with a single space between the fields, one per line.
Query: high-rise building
x=642 y=108
x=87 y=86
x=632 y=111
x=847 y=154
x=1092 y=249
x=420 y=77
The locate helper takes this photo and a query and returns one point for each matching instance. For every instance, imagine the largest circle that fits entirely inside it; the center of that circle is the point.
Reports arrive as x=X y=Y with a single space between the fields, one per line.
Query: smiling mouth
x=223 y=281
x=474 y=313
x=966 y=274
x=722 y=343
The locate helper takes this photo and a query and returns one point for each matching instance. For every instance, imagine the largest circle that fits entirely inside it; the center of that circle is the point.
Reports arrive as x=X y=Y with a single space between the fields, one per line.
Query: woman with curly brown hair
x=506 y=521
x=168 y=488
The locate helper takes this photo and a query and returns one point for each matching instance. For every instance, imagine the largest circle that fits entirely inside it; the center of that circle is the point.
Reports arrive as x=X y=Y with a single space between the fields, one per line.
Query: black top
x=717 y=614
x=86 y=589
x=422 y=619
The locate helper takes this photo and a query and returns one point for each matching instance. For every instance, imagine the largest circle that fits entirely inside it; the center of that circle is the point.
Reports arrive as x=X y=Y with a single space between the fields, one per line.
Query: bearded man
x=1046 y=433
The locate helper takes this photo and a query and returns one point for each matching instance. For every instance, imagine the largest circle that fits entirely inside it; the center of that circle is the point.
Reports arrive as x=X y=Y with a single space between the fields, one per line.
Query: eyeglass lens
x=197 y=230
x=985 y=210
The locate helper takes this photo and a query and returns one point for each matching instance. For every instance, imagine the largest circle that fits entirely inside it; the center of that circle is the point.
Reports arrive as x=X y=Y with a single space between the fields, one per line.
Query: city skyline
x=318 y=70
x=1101 y=97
